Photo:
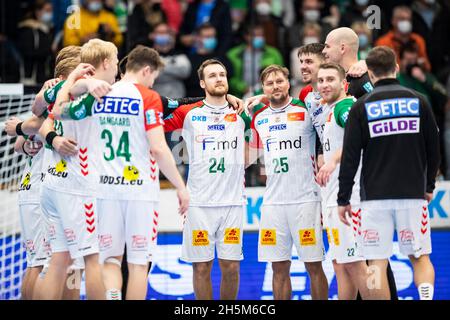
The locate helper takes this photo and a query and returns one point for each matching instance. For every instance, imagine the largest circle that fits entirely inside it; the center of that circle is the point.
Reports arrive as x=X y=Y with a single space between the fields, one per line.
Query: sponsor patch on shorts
x=200 y=238
x=307 y=237
x=268 y=237
x=232 y=236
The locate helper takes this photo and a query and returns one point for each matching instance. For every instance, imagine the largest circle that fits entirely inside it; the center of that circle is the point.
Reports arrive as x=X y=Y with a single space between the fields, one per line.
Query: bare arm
x=161 y=152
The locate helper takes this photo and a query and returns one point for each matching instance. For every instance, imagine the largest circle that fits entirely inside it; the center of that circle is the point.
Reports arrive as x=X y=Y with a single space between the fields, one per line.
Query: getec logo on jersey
x=118 y=105
x=216 y=127
x=277 y=127
x=393 y=116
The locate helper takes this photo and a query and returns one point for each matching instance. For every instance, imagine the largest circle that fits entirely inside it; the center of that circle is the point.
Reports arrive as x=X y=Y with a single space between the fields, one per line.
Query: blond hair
x=95 y=51
x=66 y=66
x=68 y=52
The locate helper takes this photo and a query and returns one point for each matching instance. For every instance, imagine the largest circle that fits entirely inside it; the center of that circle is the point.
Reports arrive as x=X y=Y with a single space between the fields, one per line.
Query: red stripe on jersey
x=153 y=108
x=304 y=92
x=176 y=119
x=255 y=141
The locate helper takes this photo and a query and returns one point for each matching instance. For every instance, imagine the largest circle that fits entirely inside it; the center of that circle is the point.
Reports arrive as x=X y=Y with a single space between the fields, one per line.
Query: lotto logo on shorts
x=371 y=237
x=335 y=233
x=268 y=237
x=328 y=235
x=200 y=238
x=307 y=237
x=406 y=236
x=232 y=236
x=70 y=235
x=105 y=241
x=139 y=242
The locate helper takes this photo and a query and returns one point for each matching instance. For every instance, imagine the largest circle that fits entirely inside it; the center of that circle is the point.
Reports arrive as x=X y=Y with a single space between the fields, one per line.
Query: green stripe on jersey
x=341 y=110
x=297 y=102
x=51 y=93
x=82 y=107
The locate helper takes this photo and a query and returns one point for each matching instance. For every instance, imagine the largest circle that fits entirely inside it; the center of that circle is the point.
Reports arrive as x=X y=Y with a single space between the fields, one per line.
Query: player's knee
x=230 y=268
x=202 y=269
x=281 y=268
x=313 y=268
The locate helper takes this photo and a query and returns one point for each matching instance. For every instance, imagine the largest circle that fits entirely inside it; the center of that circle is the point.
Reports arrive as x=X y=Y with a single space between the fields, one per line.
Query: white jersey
x=30 y=184
x=215 y=142
x=333 y=135
x=120 y=124
x=72 y=174
x=317 y=110
x=289 y=141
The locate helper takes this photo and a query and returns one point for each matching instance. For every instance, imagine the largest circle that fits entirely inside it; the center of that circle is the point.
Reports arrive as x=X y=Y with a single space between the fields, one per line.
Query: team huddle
x=90 y=187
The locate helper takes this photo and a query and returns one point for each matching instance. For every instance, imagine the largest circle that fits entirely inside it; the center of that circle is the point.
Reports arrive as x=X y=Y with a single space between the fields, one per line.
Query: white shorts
x=34 y=235
x=72 y=222
x=381 y=217
x=343 y=239
x=207 y=228
x=281 y=226
x=129 y=222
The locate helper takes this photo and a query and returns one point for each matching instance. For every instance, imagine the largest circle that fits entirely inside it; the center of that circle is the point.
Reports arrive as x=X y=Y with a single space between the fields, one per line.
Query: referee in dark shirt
x=395 y=129
x=341 y=47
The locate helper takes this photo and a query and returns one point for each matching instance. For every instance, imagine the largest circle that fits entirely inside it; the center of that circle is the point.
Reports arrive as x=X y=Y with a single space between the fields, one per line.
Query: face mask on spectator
x=311 y=15
x=363 y=40
x=308 y=40
x=46 y=17
x=209 y=44
x=263 y=9
x=362 y=3
x=162 y=40
x=404 y=26
x=258 y=42
x=95 y=6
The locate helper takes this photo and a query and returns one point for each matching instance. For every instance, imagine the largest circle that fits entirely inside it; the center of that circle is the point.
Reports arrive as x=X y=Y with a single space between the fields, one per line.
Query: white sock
x=426 y=291
x=113 y=294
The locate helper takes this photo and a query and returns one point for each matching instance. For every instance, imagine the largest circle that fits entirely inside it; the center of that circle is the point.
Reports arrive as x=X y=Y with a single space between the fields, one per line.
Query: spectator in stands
x=274 y=30
x=215 y=12
x=177 y=65
x=9 y=55
x=364 y=37
x=92 y=21
x=401 y=33
x=249 y=59
x=423 y=14
x=356 y=10
x=312 y=33
x=239 y=14
x=310 y=11
x=413 y=75
x=141 y=23
x=206 y=47
x=431 y=20
x=35 y=43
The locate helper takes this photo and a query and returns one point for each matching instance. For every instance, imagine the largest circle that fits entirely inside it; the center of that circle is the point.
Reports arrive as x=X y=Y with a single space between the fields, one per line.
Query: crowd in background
x=246 y=35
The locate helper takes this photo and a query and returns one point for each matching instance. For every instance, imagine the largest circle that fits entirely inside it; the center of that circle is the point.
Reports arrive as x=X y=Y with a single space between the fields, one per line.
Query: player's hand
x=32 y=147
x=183 y=200
x=236 y=103
x=345 y=213
x=98 y=88
x=81 y=70
x=417 y=73
x=50 y=83
x=358 y=69
x=428 y=197
x=325 y=172
x=320 y=161
x=10 y=126
x=65 y=147
x=252 y=102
